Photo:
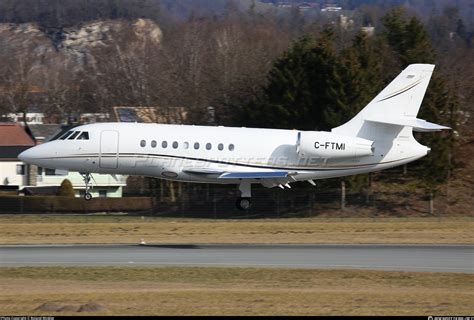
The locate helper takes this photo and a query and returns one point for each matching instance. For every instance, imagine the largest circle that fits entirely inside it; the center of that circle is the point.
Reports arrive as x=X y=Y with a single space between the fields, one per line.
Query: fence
x=163 y=198
x=54 y=204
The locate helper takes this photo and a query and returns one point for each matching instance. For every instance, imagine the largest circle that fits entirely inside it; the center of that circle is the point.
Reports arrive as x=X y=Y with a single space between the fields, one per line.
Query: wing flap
x=255 y=175
x=202 y=171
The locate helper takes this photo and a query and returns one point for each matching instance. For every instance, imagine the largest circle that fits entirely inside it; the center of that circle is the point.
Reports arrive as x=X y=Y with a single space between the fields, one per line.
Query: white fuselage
x=177 y=152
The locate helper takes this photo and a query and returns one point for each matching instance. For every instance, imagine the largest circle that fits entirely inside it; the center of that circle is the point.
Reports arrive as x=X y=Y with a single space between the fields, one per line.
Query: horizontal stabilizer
x=419 y=125
x=255 y=175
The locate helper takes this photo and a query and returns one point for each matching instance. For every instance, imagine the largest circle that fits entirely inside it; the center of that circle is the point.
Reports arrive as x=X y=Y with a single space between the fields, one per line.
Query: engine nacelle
x=322 y=144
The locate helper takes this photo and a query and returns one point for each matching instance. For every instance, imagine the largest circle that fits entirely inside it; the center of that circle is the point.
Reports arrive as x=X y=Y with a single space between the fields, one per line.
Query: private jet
x=380 y=136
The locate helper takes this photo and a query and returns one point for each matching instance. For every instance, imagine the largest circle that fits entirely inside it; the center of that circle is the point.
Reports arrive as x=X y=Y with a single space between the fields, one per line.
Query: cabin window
x=66 y=135
x=175 y=145
x=49 y=172
x=74 y=135
x=153 y=144
x=164 y=144
x=231 y=147
x=83 y=136
x=220 y=147
x=143 y=143
x=196 y=145
x=208 y=146
x=186 y=145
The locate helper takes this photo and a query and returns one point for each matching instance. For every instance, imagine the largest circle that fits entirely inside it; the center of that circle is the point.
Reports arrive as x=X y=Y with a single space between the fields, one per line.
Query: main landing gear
x=87 y=181
x=245 y=201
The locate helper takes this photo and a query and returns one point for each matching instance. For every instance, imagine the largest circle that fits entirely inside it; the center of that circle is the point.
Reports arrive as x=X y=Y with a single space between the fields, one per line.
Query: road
x=433 y=258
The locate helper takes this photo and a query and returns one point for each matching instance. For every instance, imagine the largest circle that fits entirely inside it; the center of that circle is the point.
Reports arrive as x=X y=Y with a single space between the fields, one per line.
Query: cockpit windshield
x=67 y=134
x=83 y=136
x=75 y=135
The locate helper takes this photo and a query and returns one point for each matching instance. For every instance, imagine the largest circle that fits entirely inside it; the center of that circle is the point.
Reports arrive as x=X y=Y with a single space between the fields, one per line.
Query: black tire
x=87 y=196
x=244 y=203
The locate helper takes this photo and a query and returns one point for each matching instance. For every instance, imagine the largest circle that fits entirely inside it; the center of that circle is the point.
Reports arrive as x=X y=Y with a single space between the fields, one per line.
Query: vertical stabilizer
x=396 y=105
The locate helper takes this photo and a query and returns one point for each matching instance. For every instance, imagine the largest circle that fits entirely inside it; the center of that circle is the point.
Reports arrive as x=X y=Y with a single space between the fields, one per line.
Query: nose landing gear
x=87 y=196
x=87 y=181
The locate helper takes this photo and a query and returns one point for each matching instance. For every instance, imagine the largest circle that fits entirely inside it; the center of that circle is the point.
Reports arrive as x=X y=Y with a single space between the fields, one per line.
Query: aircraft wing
x=268 y=179
x=239 y=174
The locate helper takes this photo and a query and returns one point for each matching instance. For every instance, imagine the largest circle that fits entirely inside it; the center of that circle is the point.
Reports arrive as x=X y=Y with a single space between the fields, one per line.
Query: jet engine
x=322 y=144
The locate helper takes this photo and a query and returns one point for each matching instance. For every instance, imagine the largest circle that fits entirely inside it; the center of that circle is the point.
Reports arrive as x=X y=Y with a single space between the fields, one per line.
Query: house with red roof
x=14 y=174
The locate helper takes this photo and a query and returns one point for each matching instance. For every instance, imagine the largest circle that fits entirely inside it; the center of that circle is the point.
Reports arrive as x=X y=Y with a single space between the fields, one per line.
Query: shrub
x=66 y=190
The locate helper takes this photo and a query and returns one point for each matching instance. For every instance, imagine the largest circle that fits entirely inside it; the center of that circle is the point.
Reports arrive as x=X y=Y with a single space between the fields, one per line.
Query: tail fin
x=397 y=105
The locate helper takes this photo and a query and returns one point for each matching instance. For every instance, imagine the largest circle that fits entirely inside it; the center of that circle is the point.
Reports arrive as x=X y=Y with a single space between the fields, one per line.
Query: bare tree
x=17 y=79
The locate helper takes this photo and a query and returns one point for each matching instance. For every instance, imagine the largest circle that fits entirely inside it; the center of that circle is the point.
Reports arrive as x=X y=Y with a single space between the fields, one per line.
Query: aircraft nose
x=35 y=154
x=40 y=155
x=27 y=155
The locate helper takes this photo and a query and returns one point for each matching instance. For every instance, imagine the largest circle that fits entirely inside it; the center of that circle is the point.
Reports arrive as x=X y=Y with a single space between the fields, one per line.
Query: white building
x=13 y=141
x=368 y=30
x=330 y=7
x=103 y=185
x=31 y=117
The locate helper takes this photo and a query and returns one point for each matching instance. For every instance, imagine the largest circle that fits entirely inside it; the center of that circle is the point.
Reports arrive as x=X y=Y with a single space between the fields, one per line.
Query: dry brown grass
x=40 y=229
x=236 y=291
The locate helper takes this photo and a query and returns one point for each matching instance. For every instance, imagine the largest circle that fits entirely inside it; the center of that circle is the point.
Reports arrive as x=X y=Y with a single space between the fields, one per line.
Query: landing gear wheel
x=243 y=203
x=87 y=181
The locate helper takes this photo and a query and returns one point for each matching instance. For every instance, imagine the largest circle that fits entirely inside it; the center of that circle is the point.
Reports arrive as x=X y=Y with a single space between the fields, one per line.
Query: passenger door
x=109 y=141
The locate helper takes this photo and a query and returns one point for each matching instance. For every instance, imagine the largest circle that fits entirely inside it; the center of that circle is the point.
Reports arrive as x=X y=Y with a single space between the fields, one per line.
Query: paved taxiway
x=435 y=258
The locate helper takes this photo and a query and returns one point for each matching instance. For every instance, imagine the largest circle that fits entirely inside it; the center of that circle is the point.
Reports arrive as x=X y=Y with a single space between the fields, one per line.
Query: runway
x=432 y=258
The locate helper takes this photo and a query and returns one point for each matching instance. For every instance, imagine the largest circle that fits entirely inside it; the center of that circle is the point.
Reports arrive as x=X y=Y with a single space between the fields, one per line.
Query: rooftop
x=12 y=134
x=44 y=131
